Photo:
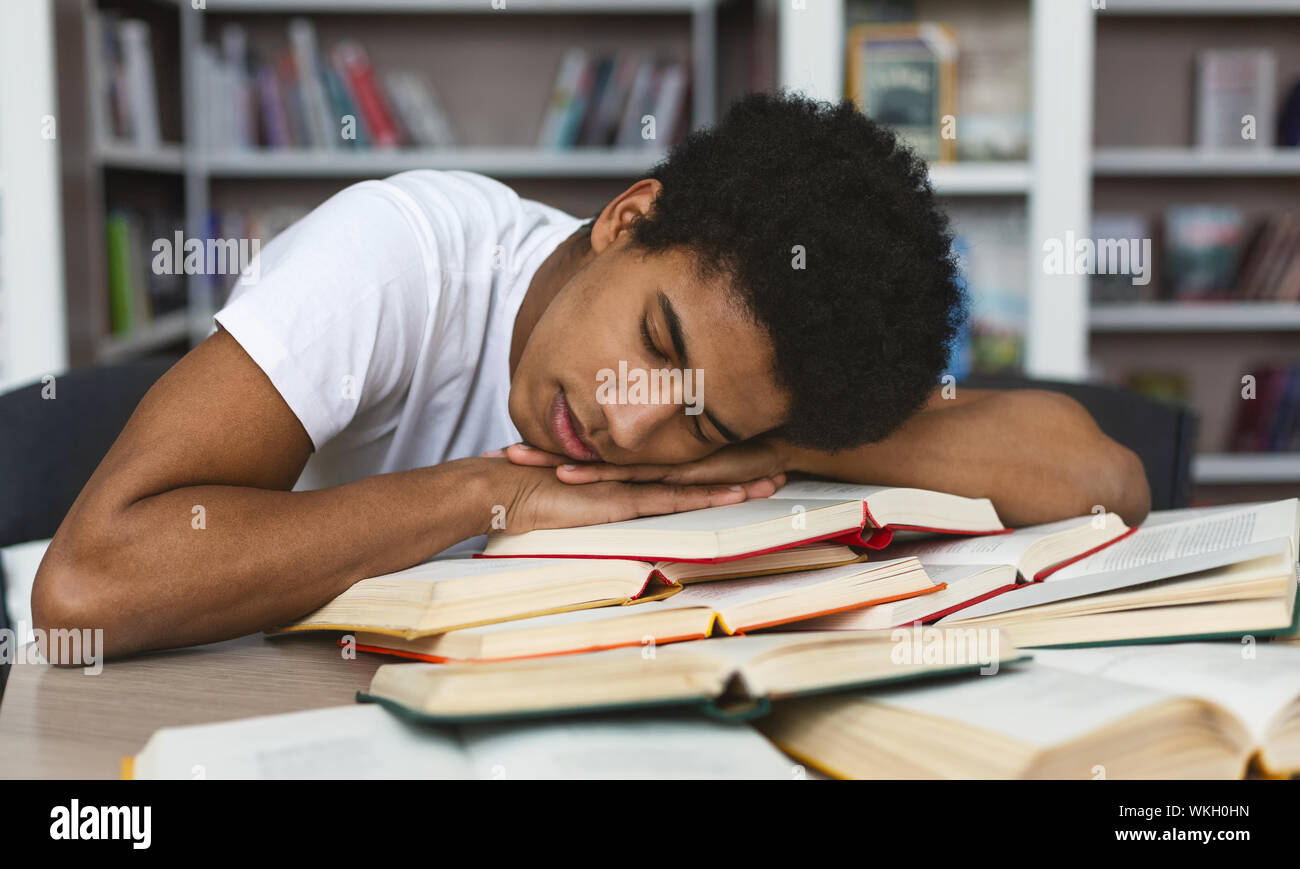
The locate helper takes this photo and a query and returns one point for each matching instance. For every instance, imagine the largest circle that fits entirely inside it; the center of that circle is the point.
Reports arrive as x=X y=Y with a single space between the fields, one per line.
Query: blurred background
x=1050 y=124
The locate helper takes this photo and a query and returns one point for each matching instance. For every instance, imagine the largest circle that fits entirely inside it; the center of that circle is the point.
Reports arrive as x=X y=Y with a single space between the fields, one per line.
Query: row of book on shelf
x=867 y=631
x=626 y=99
x=1270 y=420
x=304 y=97
x=1208 y=252
x=150 y=258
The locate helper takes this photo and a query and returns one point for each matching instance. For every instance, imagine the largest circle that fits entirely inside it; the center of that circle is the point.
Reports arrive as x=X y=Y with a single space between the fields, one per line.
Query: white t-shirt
x=384 y=319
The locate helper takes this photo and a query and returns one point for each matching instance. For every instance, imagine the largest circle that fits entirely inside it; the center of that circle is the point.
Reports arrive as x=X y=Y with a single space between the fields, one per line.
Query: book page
x=359 y=741
x=1216 y=531
x=716 y=518
x=827 y=489
x=578 y=617
x=1253 y=682
x=442 y=569
x=1040 y=705
x=986 y=549
x=679 y=745
x=953 y=574
x=728 y=592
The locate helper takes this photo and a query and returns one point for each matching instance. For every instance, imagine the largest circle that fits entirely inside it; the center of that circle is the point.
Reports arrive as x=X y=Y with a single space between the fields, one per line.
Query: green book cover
x=118 y=228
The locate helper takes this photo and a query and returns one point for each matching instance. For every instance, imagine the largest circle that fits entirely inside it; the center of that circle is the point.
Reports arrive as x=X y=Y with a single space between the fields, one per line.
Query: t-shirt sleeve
x=334 y=309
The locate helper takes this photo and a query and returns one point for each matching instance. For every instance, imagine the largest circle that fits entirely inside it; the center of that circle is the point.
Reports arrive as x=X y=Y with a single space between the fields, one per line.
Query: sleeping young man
x=348 y=415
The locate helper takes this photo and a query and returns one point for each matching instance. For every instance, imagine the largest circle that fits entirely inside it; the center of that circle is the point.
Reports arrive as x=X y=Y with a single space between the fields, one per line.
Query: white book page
x=684 y=745
x=953 y=574
x=444 y=570
x=1218 y=531
x=717 y=518
x=360 y=741
x=985 y=549
x=1040 y=705
x=827 y=489
x=1253 y=688
x=729 y=592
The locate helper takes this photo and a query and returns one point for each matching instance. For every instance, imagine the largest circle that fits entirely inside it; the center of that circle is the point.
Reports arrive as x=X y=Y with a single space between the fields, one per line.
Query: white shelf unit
x=511 y=162
x=981 y=179
x=165 y=331
x=1195 y=162
x=1246 y=468
x=1209 y=8
x=1228 y=318
x=1200 y=317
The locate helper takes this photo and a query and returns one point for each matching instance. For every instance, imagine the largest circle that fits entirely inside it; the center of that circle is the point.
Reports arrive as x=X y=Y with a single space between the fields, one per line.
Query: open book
x=726 y=676
x=1169 y=544
x=891 y=509
x=962 y=585
x=1254 y=592
x=363 y=741
x=1259 y=683
x=800 y=512
x=693 y=613
x=1029 y=722
x=445 y=594
x=1036 y=552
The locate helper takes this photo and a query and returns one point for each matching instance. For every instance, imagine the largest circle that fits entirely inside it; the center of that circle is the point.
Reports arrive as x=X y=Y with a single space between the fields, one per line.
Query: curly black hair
x=863 y=331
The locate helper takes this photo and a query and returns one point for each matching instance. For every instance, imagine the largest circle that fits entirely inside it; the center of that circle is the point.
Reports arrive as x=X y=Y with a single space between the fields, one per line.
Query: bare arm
x=136 y=558
x=1038 y=455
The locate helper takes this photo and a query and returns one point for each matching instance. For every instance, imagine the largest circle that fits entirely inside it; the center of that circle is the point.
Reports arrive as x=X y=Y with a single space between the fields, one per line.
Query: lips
x=568 y=431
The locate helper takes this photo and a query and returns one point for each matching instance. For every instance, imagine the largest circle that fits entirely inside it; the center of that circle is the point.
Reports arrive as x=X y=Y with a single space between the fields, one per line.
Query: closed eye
x=649 y=342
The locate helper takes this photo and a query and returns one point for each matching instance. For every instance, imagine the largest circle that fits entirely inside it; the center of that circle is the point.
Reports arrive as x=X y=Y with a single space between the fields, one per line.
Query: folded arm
x=1039 y=456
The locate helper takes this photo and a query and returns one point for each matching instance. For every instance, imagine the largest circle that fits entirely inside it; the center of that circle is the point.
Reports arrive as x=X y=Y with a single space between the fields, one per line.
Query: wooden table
x=59 y=722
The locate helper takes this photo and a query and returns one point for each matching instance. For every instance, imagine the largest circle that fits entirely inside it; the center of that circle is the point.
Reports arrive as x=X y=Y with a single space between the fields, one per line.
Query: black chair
x=1163 y=435
x=49 y=447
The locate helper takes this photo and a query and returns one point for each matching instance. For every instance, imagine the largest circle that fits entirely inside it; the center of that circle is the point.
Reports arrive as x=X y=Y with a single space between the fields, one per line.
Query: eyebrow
x=678 y=338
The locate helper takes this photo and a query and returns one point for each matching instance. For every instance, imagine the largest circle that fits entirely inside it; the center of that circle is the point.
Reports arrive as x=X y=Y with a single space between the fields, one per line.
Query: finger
x=523 y=454
x=649 y=499
x=760 y=488
x=596 y=472
x=493 y=454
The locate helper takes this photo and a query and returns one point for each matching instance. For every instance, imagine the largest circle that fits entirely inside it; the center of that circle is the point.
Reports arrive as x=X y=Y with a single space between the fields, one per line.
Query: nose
x=634 y=426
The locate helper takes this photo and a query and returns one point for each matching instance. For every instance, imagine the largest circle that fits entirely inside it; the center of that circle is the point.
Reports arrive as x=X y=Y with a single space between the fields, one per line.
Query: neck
x=555 y=271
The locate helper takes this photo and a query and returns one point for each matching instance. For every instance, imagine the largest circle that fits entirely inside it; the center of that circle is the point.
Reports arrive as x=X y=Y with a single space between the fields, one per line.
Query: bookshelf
x=1131 y=151
x=1143 y=161
x=443 y=40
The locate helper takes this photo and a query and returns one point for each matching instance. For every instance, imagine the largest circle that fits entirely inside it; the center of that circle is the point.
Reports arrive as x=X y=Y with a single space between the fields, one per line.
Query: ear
x=622 y=211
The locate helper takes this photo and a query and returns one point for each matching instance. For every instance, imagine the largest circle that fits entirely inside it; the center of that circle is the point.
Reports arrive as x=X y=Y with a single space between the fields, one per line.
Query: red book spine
x=379 y=120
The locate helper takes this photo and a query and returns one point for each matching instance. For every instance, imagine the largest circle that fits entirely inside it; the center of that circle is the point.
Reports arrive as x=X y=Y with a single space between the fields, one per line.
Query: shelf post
x=1056 y=331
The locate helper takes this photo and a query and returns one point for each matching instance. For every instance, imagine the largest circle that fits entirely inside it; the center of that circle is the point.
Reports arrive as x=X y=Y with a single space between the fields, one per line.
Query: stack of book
x=866 y=631
x=303 y=98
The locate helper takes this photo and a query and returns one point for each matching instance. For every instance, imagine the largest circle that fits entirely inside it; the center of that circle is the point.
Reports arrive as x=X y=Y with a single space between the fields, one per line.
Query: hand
x=533 y=497
x=749 y=464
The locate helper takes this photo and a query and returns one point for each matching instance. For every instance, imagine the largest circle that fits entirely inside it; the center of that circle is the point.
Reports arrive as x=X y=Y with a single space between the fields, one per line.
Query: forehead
x=723 y=340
